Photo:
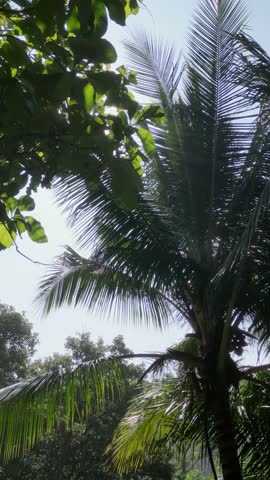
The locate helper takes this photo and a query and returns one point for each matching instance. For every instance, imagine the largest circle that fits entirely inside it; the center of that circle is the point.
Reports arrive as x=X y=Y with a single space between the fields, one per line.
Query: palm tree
x=196 y=248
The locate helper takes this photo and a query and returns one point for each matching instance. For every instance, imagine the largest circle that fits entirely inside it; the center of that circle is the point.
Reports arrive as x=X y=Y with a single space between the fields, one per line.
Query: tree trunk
x=227 y=445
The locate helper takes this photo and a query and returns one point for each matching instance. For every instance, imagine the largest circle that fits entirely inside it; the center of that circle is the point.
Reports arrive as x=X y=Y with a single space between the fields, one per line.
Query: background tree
x=17 y=345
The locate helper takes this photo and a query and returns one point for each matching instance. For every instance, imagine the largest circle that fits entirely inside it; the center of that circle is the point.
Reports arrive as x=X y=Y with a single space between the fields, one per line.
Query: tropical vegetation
x=56 y=88
x=195 y=251
x=76 y=454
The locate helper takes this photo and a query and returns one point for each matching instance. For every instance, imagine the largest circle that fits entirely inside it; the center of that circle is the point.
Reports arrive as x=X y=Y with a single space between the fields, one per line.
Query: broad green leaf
x=100 y=19
x=137 y=164
x=20 y=224
x=125 y=184
x=50 y=13
x=35 y=230
x=63 y=87
x=89 y=96
x=26 y=203
x=105 y=81
x=73 y=22
x=151 y=112
x=11 y=203
x=123 y=117
x=96 y=50
x=122 y=70
x=14 y=51
x=6 y=238
x=85 y=15
x=147 y=141
x=131 y=7
x=116 y=11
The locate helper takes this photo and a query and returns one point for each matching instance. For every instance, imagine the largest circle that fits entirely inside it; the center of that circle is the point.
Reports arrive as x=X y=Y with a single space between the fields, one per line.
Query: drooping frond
x=136 y=256
x=165 y=414
x=30 y=409
x=173 y=357
x=98 y=286
x=255 y=68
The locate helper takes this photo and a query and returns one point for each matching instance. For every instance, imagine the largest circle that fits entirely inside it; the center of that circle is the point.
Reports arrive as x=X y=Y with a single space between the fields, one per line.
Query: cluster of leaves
x=63 y=111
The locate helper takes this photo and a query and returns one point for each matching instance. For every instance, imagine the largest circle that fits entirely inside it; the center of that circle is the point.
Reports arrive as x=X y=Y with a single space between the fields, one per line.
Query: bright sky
x=19 y=278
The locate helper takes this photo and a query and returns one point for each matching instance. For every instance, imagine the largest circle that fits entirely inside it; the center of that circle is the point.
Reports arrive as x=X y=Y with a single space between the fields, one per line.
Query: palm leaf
x=136 y=255
x=30 y=409
x=253 y=426
x=163 y=415
x=104 y=289
x=256 y=68
x=215 y=142
x=158 y=68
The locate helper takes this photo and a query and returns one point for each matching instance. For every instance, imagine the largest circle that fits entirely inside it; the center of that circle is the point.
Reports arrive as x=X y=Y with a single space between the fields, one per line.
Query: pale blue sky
x=19 y=277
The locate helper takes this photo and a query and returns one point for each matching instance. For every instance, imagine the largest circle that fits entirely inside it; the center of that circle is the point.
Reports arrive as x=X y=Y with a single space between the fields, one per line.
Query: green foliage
x=79 y=454
x=195 y=248
x=55 y=89
x=17 y=345
x=24 y=422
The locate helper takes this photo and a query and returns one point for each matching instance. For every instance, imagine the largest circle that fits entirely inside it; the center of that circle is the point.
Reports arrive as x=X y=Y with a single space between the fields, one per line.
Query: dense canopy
x=63 y=109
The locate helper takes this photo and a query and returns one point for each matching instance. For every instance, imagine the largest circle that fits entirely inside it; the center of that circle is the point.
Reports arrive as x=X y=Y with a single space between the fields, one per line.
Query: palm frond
x=104 y=289
x=30 y=409
x=253 y=431
x=244 y=244
x=173 y=357
x=163 y=415
x=158 y=68
x=256 y=68
x=215 y=141
x=139 y=248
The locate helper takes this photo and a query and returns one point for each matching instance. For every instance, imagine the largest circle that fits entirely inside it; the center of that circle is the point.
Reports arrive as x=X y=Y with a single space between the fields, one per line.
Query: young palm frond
x=158 y=68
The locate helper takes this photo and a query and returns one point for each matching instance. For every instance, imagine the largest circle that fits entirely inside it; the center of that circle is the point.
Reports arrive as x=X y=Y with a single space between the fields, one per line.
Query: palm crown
x=196 y=247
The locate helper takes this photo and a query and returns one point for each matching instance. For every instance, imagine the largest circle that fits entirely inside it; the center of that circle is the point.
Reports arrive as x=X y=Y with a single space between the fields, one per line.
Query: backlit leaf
x=35 y=230
x=6 y=239
x=26 y=203
x=89 y=96
x=96 y=50
x=147 y=141
x=116 y=11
